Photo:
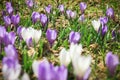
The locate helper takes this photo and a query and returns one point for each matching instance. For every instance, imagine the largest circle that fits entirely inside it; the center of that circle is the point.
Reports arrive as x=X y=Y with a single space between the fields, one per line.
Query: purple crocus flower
x=51 y=36
x=82 y=18
x=61 y=8
x=9 y=8
x=29 y=3
x=74 y=37
x=111 y=61
x=10 y=68
x=48 y=9
x=70 y=14
x=46 y=71
x=15 y=19
x=10 y=51
x=83 y=6
x=9 y=38
x=110 y=12
x=2 y=32
x=35 y=17
x=43 y=19
x=104 y=30
x=7 y=20
x=103 y=20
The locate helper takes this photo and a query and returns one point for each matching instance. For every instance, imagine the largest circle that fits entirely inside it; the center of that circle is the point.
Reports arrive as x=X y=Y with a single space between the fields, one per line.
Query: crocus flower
x=64 y=57
x=35 y=17
x=30 y=33
x=104 y=30
x=70 y=14
x=51 y=36
x=7 y=20
x=15 y=19
x=10 y=51
x=10 y=68
x=96 y=25
x=48 y=8
x=75 y=50
x=111 y=61
x=82 y=18
x=29 y=3
x=9 y=8
x=74 y=37
x=83 y=6
x=2 y=32
x=9 y=38
x=46 y=71
x=103 y=20
x=81 y=65
x=19 y=30
x=61 y=8
x=43 y=19
x=110 y=12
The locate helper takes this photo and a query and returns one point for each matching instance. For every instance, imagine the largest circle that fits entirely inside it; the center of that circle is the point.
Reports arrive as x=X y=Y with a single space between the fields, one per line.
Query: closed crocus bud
x=103 y=20
x=9 y=38
x=61 y=8
x=48 y=9
x=43 y=19
x=82 y=18
x=96 y=25
x=9 y=8
x=111 y=61
x=83 y=6
x=15 y=19
x=68 y=13
x=10 y=68
x=81 y=65
x=29 y=3
x=104 y=30
x=74 y=37
x=110 y=12
x=64 y=57
x=7 y=20
x=35 y=17
x=51 y=36
x=10 y=51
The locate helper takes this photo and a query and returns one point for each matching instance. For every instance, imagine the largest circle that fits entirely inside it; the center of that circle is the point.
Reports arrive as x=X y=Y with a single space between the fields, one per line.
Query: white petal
x=37 y=35
x=64 y=57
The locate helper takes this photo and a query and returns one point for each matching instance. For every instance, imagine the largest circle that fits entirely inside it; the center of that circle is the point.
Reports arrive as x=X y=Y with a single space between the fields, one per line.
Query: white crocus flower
x=96 y=24
x=31 y=33
x=64 y=57
x=35 y=66
x=75 y=49
x=81 y=64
